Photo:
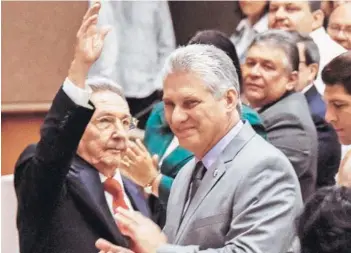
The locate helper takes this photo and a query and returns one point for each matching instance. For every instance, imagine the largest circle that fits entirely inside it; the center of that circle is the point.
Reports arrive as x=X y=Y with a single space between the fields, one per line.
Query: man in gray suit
x=239 y=193
x=270 y=76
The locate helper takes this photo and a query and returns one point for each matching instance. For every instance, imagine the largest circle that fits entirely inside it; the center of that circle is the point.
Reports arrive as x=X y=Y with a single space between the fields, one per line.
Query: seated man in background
x=329 y=148
x=270 y=75
x=67 y=185
x=239 y=193
x=305 y=17
x=325 y=225
x=337 y=78
x=339 y=26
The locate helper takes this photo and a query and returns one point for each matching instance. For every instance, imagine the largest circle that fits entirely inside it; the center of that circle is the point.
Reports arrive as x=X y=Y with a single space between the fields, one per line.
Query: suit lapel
x=179 y=197
x=136 y=197
x=215 y=173
x=86 y=187
x=311 y=93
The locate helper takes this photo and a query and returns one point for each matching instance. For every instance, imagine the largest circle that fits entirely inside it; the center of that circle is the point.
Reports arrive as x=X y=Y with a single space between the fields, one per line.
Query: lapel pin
x=215 y=173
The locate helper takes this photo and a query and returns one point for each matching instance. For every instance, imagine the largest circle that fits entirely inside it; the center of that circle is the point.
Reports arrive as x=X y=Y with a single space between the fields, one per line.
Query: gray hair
x=99 y=83
x=211 y=64
x=282 y=40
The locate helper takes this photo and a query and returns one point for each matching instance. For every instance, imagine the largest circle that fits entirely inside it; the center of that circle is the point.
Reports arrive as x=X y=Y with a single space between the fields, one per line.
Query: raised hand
x=89 y=44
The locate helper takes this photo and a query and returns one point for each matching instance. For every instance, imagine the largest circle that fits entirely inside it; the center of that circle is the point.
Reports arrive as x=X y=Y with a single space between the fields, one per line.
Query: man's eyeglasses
x=336 y=29
x=109 y=122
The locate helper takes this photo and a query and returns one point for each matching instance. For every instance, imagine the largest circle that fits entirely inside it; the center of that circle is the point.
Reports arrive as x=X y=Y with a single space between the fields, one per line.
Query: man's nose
x=120 y=131
x=255 y=71
x=280 y=14
x=178 y=115
x=330 y=115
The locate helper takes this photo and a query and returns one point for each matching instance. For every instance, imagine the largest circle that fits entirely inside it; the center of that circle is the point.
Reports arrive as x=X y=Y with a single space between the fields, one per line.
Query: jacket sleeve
x=300 y=147
x=41 y=170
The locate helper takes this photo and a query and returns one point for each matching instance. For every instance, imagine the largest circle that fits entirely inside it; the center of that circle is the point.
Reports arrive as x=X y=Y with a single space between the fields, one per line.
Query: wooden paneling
x=37 y=47
x=17 y=131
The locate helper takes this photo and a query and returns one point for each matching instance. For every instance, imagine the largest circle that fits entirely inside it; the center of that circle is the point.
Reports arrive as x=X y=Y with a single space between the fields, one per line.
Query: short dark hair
x=314 y=5
x=221 y=41
x=311 y=51
x=337 y=71
x=325 y=225
x=282 y=40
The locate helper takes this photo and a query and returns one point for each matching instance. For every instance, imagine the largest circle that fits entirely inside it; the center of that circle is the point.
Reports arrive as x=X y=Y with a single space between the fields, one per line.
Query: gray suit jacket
x=290 y=128
x=247 y=202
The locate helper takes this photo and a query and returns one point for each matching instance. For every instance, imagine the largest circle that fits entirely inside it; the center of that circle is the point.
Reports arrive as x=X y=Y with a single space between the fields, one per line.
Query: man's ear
x=292 y=81
x=318 y=19
x=313 y=71
x=231 y=97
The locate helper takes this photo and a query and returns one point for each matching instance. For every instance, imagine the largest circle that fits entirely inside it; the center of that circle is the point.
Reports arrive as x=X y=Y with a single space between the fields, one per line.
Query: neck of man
x=232 y=121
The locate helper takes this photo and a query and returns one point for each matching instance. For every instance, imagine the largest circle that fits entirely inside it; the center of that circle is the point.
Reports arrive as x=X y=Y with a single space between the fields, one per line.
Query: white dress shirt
x=79 y=96
x=328 y=50
x=109 y=197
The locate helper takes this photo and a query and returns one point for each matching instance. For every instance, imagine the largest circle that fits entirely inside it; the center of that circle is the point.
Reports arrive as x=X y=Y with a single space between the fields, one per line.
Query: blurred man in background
x=305 y=17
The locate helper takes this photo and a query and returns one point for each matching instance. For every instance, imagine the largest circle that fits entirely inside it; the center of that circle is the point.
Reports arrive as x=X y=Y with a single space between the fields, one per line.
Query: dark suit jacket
x=61 y=203
x=290 y=128
x=329 y=148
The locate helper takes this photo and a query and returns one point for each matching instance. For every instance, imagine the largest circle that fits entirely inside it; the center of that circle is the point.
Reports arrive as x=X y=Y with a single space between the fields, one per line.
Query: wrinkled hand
x=89 y=44
x=90 y=39
x=145 y=234
x=138 y=165
x=107 y=247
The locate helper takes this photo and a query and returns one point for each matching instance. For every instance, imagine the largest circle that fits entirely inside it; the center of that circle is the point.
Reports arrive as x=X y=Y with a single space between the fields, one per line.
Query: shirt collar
x=318 y=34
x=212 y=155
x=304 y=90
x=117 y=176
x=261 y=25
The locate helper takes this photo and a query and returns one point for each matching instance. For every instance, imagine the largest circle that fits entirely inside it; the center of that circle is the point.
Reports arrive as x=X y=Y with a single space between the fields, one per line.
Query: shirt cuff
x=77 y=95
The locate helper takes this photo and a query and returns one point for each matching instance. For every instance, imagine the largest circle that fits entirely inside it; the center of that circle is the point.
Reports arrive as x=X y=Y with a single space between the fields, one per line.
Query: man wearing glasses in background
x=339 y=26
x=67 y=185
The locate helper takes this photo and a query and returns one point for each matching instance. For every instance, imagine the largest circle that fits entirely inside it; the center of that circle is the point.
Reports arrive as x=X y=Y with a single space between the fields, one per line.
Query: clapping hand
x=138 y=165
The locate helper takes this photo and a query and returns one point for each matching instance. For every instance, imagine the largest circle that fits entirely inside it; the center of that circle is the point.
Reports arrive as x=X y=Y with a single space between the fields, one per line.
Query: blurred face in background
x=339 y=26
x=294 y=16
x=252 y=8
x=338 y=103
x=266 y=75
x=337 y=3
x=307 y=72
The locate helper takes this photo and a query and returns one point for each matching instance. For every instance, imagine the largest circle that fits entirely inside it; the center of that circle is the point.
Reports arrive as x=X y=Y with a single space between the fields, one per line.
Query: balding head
x=339 y=27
